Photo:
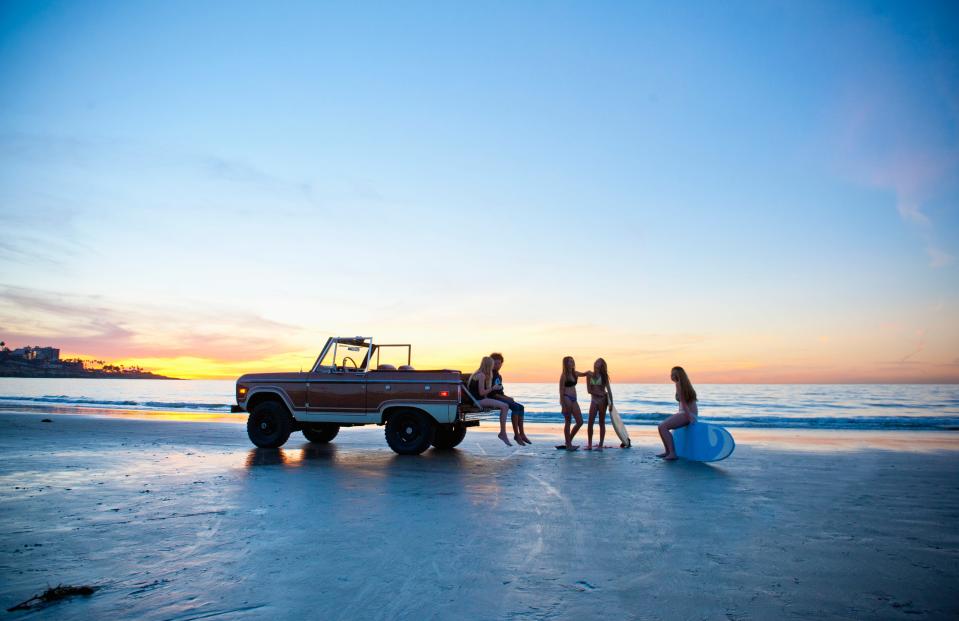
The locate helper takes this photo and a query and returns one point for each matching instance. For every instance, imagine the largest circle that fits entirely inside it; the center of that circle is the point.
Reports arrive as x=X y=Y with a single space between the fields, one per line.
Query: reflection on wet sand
x=190 y=416
x=451 y=472
x=290 y=458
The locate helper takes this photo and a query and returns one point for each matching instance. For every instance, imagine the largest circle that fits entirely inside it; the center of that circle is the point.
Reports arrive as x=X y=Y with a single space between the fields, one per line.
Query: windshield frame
x=335 y=342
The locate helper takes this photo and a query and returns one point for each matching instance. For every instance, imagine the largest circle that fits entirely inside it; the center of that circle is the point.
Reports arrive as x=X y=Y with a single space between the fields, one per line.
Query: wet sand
x=186 y=520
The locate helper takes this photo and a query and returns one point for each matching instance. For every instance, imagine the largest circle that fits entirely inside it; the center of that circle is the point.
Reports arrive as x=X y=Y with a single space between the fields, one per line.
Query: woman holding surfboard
x=688 y=411
x=567 y=402
x=597 y=385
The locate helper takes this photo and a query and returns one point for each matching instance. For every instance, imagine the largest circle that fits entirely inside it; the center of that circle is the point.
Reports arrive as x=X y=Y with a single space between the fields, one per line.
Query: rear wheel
x=269 y=425
x=321 y=433
x=409 y=432
x=448 y=436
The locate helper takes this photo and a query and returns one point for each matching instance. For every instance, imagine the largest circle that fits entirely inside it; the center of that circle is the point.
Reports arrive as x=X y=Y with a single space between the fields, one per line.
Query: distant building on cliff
x=40 y=354
x=45 y=362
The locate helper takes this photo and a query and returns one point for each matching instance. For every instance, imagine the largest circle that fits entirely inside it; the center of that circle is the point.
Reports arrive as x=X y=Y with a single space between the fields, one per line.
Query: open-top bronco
x=347 y=387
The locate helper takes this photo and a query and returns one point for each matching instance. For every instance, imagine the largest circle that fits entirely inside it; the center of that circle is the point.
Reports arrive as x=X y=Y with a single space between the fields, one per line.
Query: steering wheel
x=353 y=362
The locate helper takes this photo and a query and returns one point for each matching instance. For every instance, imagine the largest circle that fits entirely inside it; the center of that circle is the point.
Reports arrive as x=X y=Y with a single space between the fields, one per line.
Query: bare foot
x=599 y=447
x=518 y=439
x=669 y=458
x=588 y=448
x=502 y=436
x=526 y=440
x=572 y=447
x=661 y=455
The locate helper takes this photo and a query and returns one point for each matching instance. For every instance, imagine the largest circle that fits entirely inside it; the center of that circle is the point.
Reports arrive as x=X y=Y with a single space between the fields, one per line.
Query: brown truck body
x=342 y=390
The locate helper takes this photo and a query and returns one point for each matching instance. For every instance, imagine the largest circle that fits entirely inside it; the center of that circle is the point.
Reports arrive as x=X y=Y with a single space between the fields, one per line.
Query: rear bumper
x=235 y=409
x=470 y=419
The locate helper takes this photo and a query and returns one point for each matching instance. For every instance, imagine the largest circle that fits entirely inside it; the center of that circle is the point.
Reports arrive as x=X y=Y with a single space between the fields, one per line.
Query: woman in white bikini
x=688 y=411
x=597 y=384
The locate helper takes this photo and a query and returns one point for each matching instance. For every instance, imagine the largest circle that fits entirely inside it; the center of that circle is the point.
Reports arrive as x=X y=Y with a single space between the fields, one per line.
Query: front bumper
x=235 y=409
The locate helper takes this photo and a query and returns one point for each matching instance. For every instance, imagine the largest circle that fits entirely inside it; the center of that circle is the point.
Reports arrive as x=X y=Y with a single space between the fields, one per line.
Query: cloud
x=894 y=129
x=938 y=257
x=921 y=345
x=96 y=326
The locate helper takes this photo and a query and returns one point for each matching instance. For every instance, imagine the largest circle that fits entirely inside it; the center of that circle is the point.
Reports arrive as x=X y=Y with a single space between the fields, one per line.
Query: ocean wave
x=105 y=403
x=867 y=412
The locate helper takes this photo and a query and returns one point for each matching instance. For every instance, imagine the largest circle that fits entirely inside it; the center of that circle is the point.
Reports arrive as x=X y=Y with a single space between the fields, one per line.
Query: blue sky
x=762 y=191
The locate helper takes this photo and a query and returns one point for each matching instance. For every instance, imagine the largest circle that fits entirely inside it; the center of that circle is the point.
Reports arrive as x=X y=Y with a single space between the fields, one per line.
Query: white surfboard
x=703 y=442
x=619 y=427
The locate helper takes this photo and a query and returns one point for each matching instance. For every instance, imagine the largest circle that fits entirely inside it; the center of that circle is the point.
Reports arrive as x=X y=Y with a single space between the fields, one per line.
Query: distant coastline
x=40 y=362
x=91 y=374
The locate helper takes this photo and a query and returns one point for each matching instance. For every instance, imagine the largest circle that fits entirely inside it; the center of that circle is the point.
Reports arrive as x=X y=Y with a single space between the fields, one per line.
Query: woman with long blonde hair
x=480 y=385
x=568 y=403
x=597 y=385
x=688 y=411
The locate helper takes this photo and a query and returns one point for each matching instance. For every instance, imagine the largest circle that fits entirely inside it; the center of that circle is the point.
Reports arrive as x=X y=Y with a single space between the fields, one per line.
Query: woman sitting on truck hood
x=480 y=385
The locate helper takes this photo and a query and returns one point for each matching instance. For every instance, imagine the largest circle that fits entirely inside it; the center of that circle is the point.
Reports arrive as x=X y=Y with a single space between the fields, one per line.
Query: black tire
x=409 y=432
x=321 y=433
x=448 y=436
x=269 y=425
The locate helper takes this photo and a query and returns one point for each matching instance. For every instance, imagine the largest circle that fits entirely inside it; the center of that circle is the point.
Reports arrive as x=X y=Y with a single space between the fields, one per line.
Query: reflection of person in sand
x=481 y=385
x=597 y=385
x=568 y=403
x=688 y=411
x=516 y=410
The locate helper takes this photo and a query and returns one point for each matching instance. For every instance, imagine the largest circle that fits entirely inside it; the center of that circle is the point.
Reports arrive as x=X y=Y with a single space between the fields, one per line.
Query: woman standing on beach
x=688 y=411
x=597 y=385
x=568 y=403
x=481 y=384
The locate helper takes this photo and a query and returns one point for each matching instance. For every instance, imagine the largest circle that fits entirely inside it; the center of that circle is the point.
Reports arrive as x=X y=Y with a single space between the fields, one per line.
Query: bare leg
x=503 y=410
x=602 y=426
x=589 y=427
x=522 y=431
x=673 y=422
x=578 y=414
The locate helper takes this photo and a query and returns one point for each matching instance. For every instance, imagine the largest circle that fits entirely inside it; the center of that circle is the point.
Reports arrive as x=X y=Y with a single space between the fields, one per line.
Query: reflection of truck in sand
x=348 y=387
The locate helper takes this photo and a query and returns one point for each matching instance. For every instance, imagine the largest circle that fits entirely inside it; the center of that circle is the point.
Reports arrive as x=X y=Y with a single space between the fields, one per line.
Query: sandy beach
x=186 y=520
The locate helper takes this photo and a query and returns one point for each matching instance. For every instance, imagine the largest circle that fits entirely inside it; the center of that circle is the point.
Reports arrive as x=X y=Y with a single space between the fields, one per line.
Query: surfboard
x=618 y=426
x=703 y=442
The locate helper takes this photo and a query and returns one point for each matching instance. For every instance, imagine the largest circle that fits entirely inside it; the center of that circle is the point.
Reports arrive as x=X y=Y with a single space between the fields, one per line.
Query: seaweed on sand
x=53 y=594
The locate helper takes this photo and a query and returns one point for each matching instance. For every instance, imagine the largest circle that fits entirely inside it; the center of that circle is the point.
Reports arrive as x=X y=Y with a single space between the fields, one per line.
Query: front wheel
x=269 y=425
x=448 y=436
x=409 y=432
x=321 y=433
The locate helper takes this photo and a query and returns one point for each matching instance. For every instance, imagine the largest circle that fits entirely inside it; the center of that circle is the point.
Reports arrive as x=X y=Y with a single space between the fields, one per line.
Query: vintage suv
x=418 y=408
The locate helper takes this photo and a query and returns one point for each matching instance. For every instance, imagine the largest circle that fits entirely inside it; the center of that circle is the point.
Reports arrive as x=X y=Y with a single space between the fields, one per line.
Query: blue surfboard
x=703 y=442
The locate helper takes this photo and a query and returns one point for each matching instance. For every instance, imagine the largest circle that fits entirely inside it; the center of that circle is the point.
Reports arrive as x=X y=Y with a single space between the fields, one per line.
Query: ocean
x=779 y=406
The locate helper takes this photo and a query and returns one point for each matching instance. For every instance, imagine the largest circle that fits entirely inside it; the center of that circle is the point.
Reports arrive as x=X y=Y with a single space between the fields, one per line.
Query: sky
x=759 y=192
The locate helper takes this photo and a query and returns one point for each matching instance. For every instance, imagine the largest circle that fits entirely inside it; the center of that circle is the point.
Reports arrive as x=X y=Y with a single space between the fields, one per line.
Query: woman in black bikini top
x=568 y=404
